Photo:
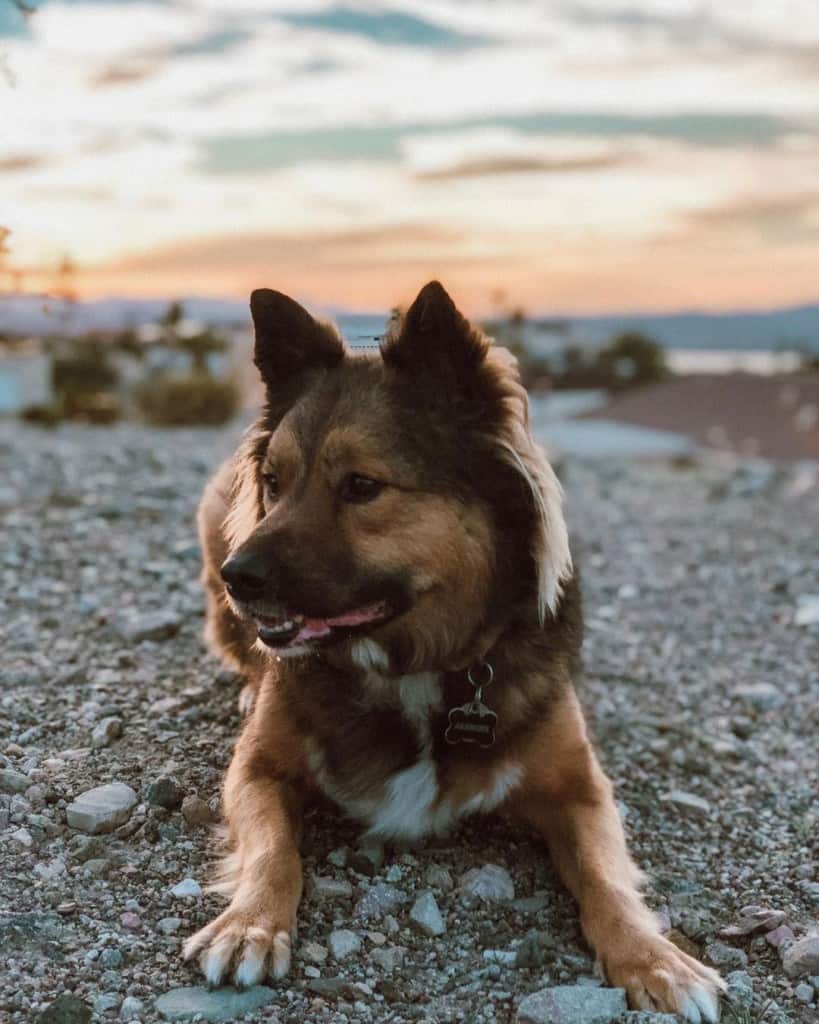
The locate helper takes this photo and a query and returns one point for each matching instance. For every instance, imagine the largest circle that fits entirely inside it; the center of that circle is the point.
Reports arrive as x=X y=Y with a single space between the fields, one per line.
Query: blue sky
x=569 y=155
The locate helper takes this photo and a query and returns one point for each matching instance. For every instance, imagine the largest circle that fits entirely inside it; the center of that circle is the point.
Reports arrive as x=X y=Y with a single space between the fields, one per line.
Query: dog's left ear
x=289 y=340
x=435 y=340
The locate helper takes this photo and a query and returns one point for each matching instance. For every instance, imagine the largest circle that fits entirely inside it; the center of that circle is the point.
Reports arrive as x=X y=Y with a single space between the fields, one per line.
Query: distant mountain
x=791 y=327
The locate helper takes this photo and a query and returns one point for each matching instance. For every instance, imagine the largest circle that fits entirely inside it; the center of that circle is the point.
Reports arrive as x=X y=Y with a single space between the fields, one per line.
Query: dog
x=388 y=565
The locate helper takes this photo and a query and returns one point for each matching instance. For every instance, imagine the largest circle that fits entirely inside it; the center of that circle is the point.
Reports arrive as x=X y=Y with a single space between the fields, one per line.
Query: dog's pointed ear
x=288 y=339
x=434 y=339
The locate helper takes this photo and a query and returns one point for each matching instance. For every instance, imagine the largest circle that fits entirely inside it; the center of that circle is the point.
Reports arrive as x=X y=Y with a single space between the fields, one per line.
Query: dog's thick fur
x=461 y=539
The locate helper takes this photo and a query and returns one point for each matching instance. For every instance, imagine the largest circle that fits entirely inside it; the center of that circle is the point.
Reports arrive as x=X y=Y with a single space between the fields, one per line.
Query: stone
x=532 y=904
x=437 y=877
x=762 y=696
x=165 y=792
x=807 y=610
x=101 y=809
x=187 y=888
x=802 y=957
x=649 y=1017
x=753 y=921
x=367 y=860
x=330 y=988
x=159 y=625
x=338 y=858
x=66 y=1009
x=130 y=921
x=105 y=732
x=169 y=925
x=131 y=1009
x=326 y=888
x=111 y=958
x=572 y=1004
x=314 y=952
x=488 y=883
x=343 y=943
x=196 y=811
x=23 y=838
x=688 y=803
x=212 y=1004
x=779 y=936
x=722 y=955
x=740 y=989
x=507 y=957
x=388 y=958
x=804 y=992
x=106 y=1001
x=426 y=917
x=12 y=781
x=380 y=899
x=532 y=949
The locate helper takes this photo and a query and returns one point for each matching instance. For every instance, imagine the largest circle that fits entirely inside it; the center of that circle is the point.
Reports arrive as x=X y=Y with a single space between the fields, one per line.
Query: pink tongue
x=314 y=628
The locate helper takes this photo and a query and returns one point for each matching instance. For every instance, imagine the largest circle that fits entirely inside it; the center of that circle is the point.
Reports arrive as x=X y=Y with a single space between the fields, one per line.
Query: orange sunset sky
x=573 y=156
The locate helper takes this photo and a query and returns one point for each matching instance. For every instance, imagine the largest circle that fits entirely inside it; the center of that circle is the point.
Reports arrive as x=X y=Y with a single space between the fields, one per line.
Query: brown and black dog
x=387 y=542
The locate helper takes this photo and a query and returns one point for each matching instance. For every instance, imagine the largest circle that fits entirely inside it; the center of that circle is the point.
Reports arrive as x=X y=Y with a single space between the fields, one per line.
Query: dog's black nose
x=245 y=574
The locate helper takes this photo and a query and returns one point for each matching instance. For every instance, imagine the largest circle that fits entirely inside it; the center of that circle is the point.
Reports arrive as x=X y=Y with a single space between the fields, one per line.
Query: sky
x=570 y=156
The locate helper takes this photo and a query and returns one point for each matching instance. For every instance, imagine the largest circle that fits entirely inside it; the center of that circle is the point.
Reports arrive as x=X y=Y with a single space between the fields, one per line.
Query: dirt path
x=700 y=683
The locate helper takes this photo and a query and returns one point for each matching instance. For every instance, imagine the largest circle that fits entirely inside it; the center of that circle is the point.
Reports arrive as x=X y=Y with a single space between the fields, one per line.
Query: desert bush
x=197 y=399
x=47 y=415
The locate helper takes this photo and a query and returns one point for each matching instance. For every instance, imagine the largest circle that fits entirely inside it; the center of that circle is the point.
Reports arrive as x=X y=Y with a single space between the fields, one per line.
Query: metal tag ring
x=485 y=674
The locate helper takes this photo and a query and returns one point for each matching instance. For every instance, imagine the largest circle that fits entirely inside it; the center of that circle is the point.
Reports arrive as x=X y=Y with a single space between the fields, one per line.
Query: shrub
x=175 y=401
x=42 y=415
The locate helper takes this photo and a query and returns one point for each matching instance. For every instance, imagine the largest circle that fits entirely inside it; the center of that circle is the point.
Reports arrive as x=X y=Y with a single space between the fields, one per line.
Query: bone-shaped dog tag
x=471 y=723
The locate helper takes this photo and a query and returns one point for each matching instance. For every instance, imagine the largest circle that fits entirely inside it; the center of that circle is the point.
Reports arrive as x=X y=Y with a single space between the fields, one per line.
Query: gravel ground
x=701 y=686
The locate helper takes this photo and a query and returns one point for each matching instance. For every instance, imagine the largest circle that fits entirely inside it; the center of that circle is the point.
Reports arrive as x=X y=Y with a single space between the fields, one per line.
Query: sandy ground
x=701 y=685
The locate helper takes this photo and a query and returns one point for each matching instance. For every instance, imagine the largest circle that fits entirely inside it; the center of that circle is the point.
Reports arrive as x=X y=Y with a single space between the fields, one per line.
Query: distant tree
x=631 y=358
x=199 y=347
x=173 y=315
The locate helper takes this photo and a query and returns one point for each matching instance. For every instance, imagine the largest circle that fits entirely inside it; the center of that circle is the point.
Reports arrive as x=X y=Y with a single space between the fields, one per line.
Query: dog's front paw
x=660 y=977
x=243 y=945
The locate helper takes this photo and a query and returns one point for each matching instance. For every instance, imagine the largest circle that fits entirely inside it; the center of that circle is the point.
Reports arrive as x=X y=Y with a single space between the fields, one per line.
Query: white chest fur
x=409 y=803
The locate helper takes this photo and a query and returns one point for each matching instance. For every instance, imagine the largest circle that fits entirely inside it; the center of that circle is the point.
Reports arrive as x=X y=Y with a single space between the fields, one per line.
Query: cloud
x=789 y=217
x=495 y=166
x=390 y=27
x=18 y=162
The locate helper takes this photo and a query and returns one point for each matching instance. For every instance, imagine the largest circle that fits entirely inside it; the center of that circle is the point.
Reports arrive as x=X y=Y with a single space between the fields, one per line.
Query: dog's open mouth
x=295 y=630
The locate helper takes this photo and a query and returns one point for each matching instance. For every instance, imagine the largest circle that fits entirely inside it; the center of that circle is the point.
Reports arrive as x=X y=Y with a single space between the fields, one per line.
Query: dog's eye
x=271 y=484
x=359 y=489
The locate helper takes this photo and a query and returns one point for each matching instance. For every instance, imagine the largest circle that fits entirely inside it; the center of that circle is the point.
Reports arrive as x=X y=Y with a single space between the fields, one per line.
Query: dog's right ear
x=289 y=340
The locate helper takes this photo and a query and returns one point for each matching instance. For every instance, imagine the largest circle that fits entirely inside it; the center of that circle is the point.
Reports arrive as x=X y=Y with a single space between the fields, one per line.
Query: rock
x=807 y=610
x=196 y=811
x=779 y=936
x=130 y=921
x=169 y=925
x=314 y=952
x=532 y=904
x=367 y=860
x=378 y=900
x=12 y=781
x=740 y=989
x=649 y=1017
x=111 y=958
x=762 y=696
x=50 y=871
x=722 y=955
x=131 y=1009
x=343 y=943
x=331 y=988
x=572 y=1004
x=753 y=921
x=326 y=888
x=212 y=1004
x=187 y=888
x=338 y=858
x=23 y=838
x=66 y=1009
x=437 y=877
x=507 y=957
x=688 y=803
x=426 y=917
x=106 y=1001
x=165 y=792
x=804 y=992
x=105 y=732
x=159 y=625
x=532 y=950
x=388 y=958
x=101 y=809
x=489 y=883
x=802 y=957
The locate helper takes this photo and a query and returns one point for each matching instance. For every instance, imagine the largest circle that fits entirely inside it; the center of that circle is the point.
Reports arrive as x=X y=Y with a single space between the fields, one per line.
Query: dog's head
x=392 y=502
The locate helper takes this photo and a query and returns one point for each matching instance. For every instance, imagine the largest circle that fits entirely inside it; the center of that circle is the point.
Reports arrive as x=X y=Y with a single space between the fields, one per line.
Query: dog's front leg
x=252 y=938
x=567 y=797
